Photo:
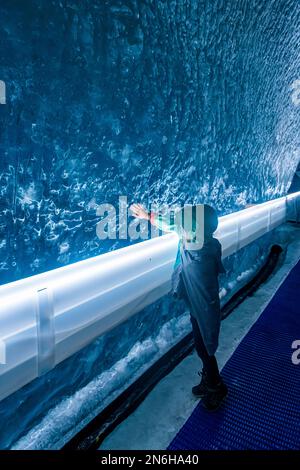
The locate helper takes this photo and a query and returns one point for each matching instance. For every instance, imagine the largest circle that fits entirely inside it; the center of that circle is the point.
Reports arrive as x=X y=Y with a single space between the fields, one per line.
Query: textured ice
x=77 y=409
x=162 y=101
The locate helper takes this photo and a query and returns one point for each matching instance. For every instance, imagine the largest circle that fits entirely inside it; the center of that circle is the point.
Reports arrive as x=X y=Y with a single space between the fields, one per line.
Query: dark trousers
x=210 y=364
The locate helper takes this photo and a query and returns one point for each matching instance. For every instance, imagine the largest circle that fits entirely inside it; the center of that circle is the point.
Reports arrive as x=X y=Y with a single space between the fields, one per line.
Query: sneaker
x=215 y=396
x=200 y=390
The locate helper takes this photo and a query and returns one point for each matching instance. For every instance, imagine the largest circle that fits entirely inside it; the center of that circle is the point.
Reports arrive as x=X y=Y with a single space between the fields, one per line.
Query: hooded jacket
x=195 y=279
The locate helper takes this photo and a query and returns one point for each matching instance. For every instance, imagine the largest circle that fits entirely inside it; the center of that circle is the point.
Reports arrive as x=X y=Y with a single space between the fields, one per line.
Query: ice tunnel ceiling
x=168 y=101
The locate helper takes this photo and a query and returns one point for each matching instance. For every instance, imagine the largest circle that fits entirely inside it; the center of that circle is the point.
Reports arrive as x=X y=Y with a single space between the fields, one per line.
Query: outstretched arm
x=166 y=223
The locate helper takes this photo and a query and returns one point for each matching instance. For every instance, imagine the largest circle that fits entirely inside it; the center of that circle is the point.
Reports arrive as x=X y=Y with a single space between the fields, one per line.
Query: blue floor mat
x=262 y=410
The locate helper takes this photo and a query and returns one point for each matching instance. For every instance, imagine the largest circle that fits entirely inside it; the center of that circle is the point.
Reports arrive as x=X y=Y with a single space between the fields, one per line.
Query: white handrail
x=46 y=318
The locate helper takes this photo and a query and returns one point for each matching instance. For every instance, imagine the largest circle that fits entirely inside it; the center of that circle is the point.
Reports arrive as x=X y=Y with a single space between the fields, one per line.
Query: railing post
x=45 y=332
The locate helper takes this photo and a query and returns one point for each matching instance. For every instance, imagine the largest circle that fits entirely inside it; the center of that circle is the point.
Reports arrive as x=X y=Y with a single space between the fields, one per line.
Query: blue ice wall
x=168 y=101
